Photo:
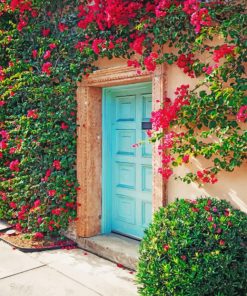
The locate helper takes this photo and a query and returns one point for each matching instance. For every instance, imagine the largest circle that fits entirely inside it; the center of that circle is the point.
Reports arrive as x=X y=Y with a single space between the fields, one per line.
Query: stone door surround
x=89 y=142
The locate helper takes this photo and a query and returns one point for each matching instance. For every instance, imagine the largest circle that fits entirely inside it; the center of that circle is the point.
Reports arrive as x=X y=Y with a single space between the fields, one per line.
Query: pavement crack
x=78 y=282
x=21 y=272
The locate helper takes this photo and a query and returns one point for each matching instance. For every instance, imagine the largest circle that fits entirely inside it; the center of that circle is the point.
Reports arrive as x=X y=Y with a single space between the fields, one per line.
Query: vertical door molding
x=89 y=160
x=159 y=185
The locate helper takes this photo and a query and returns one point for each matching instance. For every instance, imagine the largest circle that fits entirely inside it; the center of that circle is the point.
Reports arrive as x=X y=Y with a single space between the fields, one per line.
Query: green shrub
x=195 y=248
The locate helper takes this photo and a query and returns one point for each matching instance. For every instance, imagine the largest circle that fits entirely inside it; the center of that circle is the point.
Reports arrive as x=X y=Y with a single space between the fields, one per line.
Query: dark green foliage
x=195 y=248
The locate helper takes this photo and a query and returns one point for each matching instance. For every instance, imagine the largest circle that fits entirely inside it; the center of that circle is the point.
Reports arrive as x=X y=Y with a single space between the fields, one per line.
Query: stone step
x=114 y=247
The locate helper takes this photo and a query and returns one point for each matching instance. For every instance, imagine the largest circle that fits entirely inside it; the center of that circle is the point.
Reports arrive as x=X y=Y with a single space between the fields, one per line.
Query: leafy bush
x=195 y=248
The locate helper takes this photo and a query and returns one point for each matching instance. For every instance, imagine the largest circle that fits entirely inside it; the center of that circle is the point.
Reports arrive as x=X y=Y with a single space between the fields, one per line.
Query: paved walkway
x=61 y=273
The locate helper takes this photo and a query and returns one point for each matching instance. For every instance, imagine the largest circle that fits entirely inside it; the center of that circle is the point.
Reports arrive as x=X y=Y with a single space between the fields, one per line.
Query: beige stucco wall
x=231 y=186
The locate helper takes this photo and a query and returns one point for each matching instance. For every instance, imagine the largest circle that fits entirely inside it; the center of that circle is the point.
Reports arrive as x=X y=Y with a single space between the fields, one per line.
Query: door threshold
x=127 y=235
x=113 y=247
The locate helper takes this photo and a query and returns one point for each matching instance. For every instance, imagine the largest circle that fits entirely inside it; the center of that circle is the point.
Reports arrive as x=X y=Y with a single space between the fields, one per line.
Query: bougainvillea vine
x=47 y=46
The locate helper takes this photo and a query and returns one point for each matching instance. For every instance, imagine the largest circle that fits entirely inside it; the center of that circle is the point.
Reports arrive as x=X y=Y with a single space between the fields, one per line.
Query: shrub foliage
x=195 y=248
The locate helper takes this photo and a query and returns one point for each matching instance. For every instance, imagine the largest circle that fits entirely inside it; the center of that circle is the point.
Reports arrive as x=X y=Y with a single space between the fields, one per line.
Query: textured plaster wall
x=231 y=186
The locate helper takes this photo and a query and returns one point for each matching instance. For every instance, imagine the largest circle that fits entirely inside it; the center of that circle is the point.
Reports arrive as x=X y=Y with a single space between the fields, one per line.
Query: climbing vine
x=47 y=46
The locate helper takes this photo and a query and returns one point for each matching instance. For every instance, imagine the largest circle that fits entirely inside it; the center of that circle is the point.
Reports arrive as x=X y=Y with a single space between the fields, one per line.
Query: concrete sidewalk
x=61 y=273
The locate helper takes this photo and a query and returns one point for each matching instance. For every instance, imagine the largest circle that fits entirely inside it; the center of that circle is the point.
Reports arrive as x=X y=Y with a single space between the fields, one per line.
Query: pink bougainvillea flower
x=64 y=126
x=21 y=214
x=111 y=45
x=119 y=265
x=22 y=24
x=47 y=175
x=51 y=193
x=165 y=172
x=150 y=61
x=221 y=242
x=242 y=114
x=35 y=53
x=186 y=62
x=18 y=227
x=133 y=63
x=14 y=165
x=183 y=257
x=206 y=176
x=62 y=27
x=200 y=18
x=3 y=145
x=162 y=118
x=13 y=205
x=12 y=150
x=137 y=45
x=46 y=68
x=227 y=212
x=162 y=7
x=47 y=55
x=52 y=46
x=166 y=159
x=71 y=205
x=2 y=103
x=210 y=218
x=81 y=45
x=32 y=114
x=57 y=211
x=37 y=203
x=209 y=202
x=2 y=74
x=223 y=51
x=3 y=196
x=14 y=4
x=57 y=165
x=195 y=210
x=46 y=32
x=38 y=236
x=149 y=133
x=98 y=45
x=208 y=70
x=186 y=158
x=22 y=5
x=34 y=13
x=39 y=220
x=190 y=6
x=166 y=247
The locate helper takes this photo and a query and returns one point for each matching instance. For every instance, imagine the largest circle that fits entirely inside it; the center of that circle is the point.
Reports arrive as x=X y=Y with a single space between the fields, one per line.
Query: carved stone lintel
x=115 y=76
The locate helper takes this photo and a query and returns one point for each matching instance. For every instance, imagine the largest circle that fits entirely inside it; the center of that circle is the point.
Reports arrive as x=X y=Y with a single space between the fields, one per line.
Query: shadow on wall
x=231 y=186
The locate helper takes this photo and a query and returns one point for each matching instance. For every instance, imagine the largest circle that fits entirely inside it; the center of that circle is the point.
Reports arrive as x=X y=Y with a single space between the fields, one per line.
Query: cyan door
x=127 y=171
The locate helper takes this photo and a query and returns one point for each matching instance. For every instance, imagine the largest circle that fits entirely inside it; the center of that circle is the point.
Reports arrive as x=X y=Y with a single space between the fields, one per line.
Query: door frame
x=106 y=223
x=89 y=140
